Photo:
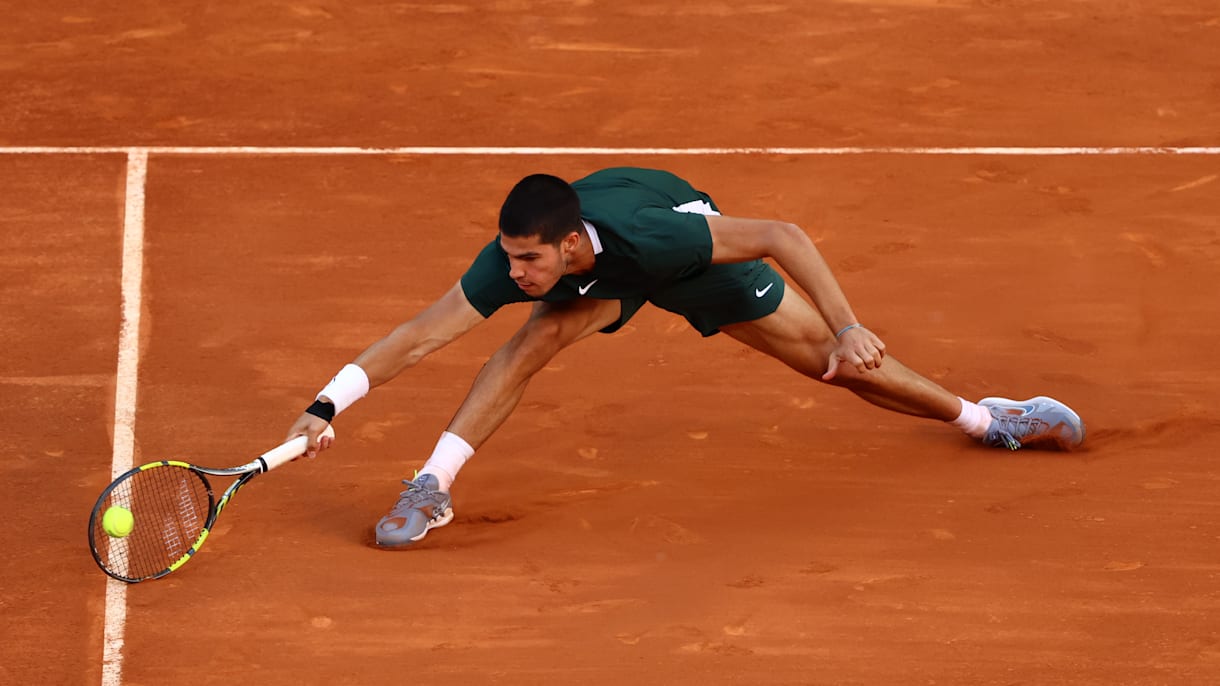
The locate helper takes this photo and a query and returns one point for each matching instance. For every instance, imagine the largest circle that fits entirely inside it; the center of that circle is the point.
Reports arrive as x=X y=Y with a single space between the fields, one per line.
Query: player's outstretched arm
x=736 y=239
x=434 y=328
x=441 y=323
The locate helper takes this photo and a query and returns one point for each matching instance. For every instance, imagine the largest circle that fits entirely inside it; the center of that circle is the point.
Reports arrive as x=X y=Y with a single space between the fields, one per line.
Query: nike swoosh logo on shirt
x=758 y=293
x=585 y=288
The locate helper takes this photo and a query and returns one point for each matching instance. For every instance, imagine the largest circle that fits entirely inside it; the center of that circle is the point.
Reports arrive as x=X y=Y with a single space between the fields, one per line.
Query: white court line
x=443 y=150
x=125 y=395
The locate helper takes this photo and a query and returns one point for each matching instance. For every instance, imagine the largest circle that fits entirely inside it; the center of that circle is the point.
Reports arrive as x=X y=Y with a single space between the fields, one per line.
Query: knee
x=534 y=345
x=818 y=361
x=541 y=334
x=847 y=376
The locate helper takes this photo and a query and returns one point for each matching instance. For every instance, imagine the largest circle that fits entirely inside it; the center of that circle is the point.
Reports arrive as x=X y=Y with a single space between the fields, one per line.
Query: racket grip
x=289 y=450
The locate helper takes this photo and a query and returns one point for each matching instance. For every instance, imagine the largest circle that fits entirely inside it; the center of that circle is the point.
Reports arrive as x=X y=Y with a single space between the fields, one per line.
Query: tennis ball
x=118 y=522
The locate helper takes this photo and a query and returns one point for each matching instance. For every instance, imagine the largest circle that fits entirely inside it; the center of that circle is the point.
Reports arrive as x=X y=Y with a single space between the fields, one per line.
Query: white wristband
x=348 y=386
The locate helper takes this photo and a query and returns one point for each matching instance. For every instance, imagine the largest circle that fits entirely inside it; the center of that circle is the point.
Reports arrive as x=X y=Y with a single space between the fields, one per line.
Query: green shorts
x=724 y=294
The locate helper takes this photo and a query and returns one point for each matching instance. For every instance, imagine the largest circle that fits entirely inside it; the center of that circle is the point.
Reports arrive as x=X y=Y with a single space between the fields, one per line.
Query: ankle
x=974 y=419
x=444 y=480
x=447 y=459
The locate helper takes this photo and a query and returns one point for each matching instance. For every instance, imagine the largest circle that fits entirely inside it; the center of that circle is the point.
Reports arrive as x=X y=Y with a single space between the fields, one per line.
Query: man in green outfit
x=589 y=255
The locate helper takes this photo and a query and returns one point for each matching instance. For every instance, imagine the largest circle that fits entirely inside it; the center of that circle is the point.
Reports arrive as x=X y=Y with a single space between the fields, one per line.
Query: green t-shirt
x=649 y=226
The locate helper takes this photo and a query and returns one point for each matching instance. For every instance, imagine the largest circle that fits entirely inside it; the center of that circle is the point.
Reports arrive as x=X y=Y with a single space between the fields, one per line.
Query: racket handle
x=289 y=450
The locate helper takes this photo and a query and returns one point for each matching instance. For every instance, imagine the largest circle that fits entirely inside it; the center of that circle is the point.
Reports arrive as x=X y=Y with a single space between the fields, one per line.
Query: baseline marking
x=125 y=395
x=443 y=150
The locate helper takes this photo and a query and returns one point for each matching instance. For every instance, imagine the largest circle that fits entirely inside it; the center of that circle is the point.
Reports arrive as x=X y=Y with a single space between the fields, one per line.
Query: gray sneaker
x=1037 y=422
x=421 y=507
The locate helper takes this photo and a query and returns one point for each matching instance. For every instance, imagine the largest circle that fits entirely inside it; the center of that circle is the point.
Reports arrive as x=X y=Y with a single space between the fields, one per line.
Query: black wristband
x=322 y=409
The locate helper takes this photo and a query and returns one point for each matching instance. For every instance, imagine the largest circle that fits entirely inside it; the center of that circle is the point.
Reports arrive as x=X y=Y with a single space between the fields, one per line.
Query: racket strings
x=170 y=505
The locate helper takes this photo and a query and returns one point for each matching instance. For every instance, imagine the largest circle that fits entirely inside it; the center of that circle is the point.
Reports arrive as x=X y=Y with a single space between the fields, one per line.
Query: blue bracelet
x=845 y=329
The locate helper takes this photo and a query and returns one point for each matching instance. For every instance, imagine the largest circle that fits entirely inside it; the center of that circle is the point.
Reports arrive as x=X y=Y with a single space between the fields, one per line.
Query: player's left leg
x=796 y=334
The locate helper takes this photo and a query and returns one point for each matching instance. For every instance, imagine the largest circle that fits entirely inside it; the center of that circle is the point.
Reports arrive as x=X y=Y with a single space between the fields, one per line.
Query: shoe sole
x=1077 y=422
x=445 y=518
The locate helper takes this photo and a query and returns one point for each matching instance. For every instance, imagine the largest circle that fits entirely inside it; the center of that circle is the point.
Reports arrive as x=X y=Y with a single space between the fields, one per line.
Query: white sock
x=974 y=419
x=450 y=453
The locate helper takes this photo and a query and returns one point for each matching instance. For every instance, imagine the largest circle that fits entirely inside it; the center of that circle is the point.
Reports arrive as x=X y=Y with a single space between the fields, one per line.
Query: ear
x=570 y=242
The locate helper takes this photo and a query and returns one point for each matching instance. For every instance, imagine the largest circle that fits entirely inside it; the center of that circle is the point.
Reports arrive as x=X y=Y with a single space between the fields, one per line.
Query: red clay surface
x=661 y=508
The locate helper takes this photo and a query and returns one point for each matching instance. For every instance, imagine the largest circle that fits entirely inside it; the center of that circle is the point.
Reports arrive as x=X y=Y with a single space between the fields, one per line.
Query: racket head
x=173 y=507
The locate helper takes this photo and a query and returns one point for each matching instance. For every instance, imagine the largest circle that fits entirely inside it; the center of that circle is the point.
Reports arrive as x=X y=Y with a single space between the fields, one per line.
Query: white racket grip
x=290 y=450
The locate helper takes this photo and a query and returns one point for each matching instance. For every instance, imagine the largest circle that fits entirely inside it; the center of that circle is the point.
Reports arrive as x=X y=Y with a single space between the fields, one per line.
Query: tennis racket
x=173 y=508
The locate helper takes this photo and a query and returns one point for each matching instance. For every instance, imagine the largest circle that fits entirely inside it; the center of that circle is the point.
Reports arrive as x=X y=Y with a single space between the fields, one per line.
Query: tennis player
x=589 y=255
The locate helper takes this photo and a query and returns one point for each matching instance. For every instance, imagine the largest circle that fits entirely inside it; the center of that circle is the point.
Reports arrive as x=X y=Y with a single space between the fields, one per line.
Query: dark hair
x=540 y=205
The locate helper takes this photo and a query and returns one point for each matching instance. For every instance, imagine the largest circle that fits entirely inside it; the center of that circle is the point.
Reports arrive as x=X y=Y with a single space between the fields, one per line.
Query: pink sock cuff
x=974 y=419
x=450 y=453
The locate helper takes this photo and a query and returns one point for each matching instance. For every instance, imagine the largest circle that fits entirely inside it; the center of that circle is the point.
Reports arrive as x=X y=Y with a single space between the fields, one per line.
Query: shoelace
x=1011 y=428
x=413 y=497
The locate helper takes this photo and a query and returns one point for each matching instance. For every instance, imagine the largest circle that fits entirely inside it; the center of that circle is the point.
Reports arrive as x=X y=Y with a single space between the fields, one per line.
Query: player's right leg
x=500 y=384
x=551 y=327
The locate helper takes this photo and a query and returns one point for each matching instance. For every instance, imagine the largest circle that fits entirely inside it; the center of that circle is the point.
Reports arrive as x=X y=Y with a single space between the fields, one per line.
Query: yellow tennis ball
x=118 y=522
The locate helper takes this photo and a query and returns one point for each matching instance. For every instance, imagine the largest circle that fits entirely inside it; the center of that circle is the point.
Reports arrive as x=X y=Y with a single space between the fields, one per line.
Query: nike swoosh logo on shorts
x=585 y=288
x=760 y=292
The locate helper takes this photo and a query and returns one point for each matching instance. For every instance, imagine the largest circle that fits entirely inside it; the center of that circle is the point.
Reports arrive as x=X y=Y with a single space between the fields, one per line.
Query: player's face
x=534 y=265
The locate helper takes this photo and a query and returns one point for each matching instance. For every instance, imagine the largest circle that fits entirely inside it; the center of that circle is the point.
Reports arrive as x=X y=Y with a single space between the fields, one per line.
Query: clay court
x=1021 y=197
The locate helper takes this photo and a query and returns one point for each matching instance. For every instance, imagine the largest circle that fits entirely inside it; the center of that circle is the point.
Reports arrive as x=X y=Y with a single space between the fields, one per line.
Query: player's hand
x=311 y=426
x=859 y=348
